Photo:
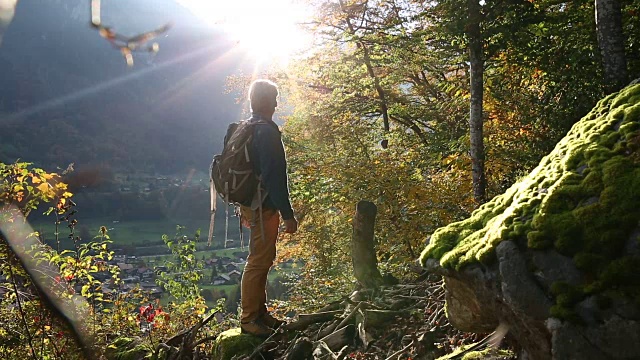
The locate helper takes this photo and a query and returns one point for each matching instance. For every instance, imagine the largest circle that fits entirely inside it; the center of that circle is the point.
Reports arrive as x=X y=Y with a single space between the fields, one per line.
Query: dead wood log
x=329 y=329
x=377 y=318
x=398 y=304
x=361 y=323
x=343 y=353
x=339 y=338
x=322 y=351
x=335 y=305
x=400 y=352
x=302 y=349
x=304 y=320
x=350 y=316
x=363 y=253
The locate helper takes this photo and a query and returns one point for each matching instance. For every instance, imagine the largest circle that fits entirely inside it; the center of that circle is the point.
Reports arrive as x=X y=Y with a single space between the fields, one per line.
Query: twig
x=326 y=347
x=353 y=312
x=261 y=346
x=343 y=352
x=20 y=309
x=204 y=340
x=198 y=326
x=399 y=352
x=304 y=320
x=292 y=343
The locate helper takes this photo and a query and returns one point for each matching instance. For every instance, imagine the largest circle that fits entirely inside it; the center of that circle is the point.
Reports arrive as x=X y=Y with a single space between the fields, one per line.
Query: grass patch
x=140 y=233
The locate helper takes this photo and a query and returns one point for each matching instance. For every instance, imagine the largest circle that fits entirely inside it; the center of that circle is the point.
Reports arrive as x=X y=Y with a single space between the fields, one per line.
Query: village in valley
x=221 y=275
x=147 y=207
x=143 y=271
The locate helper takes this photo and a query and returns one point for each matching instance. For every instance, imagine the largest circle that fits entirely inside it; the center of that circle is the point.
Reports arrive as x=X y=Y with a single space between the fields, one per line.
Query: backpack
x=231 y=173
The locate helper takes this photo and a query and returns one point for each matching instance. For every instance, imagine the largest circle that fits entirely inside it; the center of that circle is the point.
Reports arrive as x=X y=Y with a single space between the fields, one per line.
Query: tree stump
x=363 y=253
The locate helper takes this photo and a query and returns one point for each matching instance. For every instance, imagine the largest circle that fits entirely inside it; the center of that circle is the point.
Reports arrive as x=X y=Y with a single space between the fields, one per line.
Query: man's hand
x=291 y=226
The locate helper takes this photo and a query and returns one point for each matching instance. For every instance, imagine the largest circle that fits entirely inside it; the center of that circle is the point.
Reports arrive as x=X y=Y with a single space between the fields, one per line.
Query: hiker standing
x=263 y=217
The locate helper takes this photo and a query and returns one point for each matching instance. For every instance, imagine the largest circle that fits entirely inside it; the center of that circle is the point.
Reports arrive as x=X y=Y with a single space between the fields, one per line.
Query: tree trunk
x=363 y=254
x=611 y=42
x=475 y=111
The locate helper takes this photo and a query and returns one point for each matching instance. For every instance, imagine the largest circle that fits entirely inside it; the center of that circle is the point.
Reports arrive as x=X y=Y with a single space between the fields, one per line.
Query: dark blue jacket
x=270 y=163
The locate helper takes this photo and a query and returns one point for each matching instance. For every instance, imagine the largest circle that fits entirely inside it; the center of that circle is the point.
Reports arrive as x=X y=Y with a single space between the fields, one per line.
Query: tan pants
x=262 y=253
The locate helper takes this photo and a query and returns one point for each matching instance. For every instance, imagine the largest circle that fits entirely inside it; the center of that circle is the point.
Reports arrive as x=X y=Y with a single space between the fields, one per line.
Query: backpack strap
x=214 y=199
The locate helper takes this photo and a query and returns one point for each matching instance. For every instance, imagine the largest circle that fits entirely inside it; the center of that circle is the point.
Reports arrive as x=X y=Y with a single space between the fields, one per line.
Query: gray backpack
x=231 y=172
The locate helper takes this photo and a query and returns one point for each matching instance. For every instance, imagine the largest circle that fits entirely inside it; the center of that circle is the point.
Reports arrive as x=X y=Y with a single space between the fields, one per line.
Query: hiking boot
x=270 y=321
x=256 y=328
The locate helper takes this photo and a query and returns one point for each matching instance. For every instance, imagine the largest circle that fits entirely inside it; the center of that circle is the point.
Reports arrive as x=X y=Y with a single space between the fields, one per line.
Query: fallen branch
x=304 y=320
x=400 y=352
x=339 y=338
x=351 y=315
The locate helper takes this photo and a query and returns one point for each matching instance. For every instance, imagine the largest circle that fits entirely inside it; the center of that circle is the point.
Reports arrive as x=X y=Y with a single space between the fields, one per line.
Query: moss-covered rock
x=128 y=348
x=583 y=200
x=233 y=343
x=489 y=353
x=574 y=223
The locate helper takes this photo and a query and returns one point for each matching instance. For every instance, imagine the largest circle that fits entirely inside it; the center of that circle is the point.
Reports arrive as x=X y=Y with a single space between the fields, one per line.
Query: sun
x=268 y=30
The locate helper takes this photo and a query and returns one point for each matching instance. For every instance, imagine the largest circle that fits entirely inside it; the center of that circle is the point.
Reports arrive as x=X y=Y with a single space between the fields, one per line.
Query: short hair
x=262 y=94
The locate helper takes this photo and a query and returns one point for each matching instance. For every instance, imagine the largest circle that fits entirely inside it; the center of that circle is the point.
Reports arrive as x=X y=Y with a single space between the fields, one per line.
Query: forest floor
x=405 y=321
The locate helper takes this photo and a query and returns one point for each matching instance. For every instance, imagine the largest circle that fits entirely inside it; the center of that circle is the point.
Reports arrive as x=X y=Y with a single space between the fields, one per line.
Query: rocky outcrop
x=556 y=257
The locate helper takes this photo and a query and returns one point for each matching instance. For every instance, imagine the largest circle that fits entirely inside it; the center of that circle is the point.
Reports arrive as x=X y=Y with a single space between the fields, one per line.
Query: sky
x=64 y=83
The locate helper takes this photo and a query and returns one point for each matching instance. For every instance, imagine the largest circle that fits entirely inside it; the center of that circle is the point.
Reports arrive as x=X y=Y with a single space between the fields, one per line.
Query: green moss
x=519 y=230
x=623 y=271
x=607 y=243
x=126 y=348
x=589 y=262
x=539 y=240
x=574 y=160
x=624 y=96
x=564 y=313
x=488 y=353
x=582 y=200
x=592 y=183
x=594 y=288
x=604 y=301
x=614 y=168
x=233 y=343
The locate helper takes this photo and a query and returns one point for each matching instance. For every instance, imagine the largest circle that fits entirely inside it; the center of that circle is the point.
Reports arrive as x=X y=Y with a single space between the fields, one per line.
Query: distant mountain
x=66 y=95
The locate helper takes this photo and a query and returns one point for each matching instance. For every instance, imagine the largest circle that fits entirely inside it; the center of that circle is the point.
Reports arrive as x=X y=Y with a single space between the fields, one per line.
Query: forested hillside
x=67 y=87
x=407 y=64
x=427 y=109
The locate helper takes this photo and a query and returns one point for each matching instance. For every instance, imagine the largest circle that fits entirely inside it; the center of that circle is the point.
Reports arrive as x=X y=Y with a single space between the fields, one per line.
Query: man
x=263 y=217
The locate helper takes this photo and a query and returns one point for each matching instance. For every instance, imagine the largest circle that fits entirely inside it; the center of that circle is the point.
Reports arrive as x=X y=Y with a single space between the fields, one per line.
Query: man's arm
x=273 y=168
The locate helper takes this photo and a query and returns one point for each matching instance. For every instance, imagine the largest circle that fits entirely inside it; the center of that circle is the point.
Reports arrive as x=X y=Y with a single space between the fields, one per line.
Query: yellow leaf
x=44 y=187
x=48 y=176
x=67 y=194
x=36 y=180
